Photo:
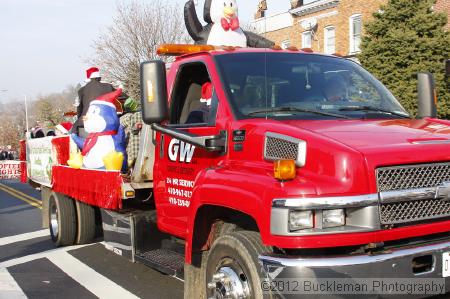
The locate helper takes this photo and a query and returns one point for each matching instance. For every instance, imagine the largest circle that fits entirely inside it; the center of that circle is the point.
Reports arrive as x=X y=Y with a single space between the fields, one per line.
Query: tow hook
x=375 y=249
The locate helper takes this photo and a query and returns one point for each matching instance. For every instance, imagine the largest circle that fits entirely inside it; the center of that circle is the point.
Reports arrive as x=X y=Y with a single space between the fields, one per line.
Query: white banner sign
x=9 y=170
x=40 y=160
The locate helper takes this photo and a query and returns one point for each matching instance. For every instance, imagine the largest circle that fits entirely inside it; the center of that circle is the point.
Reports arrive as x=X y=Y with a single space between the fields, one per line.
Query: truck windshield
x=303 y=86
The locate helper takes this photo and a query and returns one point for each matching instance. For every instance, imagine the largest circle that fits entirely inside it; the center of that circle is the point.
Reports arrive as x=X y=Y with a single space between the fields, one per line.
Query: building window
x=330 y=40
x=355 y=33
x=307 y=39
x=285 y=44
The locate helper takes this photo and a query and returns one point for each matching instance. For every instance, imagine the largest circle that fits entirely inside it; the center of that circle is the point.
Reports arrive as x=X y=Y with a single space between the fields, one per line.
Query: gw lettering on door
x=182 y=151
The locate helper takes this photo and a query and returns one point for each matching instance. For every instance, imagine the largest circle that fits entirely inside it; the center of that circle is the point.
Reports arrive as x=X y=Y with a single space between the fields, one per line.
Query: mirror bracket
x=212 y=143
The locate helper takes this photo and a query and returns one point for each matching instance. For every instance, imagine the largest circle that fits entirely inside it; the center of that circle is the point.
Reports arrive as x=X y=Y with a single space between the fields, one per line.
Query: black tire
x=227 y=228
x=62 y=220
x=194 y=278
x=239 y=252
x=85 y=223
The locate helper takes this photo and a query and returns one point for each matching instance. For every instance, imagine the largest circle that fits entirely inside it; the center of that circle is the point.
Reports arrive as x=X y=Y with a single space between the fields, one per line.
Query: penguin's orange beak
x=228 y=12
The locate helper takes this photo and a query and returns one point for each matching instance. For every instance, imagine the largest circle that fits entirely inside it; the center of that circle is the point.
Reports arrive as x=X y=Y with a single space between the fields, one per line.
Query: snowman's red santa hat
x=64 y=127
x=92 y=73
x=108 y=99
x=207 y=90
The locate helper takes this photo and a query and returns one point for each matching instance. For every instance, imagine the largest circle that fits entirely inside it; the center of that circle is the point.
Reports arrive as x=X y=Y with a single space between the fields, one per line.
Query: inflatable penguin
x=223 y=28
x=106 y=139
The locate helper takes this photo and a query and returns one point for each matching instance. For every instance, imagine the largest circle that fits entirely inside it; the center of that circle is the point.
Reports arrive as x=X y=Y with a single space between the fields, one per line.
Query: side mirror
x=154 y=92
x=426 y=96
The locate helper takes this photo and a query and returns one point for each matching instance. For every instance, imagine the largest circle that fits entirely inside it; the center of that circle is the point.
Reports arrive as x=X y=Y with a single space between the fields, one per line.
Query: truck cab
x=264 y=167
x=308 y=150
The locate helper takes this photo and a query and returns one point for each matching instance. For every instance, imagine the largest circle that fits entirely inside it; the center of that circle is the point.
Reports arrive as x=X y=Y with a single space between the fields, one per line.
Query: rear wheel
x=62 y=219
x=232 y=268
x=85 y=223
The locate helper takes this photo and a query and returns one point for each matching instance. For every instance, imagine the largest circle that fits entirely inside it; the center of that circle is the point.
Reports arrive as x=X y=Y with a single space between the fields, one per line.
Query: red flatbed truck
x=279 y=177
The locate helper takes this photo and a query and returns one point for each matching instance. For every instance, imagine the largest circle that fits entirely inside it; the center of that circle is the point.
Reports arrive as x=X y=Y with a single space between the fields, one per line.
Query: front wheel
x=232 y=268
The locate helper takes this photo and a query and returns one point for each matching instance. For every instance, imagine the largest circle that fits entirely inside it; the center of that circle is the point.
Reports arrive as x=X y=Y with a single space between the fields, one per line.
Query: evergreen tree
x=46 y=113
x=404 y=38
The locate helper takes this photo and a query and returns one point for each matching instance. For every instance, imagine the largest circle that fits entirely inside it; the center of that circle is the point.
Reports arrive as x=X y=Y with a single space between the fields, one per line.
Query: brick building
x=328 y=26
x=444 y=6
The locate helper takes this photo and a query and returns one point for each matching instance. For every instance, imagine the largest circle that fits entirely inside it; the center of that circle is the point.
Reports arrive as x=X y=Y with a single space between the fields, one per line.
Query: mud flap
x=45 y=196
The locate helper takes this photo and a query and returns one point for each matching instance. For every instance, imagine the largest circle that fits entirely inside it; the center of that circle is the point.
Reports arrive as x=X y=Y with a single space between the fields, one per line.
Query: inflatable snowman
x=105 y=144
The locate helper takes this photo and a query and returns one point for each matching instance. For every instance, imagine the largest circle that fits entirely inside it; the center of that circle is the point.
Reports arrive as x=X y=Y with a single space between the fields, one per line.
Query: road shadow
x=24 y=248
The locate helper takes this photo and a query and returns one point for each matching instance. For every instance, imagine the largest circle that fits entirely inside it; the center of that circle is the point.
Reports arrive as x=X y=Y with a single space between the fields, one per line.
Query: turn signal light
x=284 y=170
x=176 y=50
x=435 y=96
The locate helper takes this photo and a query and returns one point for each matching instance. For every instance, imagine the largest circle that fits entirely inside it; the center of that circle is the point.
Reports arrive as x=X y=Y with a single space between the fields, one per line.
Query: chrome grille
x=412 y=176
x=415 y=210
x=277 y=148
x=406 y=177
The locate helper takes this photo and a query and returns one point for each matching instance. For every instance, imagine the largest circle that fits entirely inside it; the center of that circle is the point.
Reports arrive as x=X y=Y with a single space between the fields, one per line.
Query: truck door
x=194 y=107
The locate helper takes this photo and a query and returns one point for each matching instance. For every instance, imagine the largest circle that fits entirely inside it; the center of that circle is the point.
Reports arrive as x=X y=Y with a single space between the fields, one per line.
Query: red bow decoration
x=233 y=24
x=91 y=140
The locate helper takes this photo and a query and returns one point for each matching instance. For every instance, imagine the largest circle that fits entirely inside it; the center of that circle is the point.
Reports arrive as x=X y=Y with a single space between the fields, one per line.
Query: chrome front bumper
x=396 y=263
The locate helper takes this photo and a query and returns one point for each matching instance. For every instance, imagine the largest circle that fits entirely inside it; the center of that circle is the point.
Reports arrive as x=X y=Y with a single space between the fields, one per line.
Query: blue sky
x=44 y=42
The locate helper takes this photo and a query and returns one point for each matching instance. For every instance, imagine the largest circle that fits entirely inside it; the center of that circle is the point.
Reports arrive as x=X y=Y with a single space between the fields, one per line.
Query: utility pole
x=26 y=112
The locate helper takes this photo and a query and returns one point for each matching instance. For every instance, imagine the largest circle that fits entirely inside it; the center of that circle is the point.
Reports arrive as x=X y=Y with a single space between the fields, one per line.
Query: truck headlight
x=301 y=220
x=333 y=218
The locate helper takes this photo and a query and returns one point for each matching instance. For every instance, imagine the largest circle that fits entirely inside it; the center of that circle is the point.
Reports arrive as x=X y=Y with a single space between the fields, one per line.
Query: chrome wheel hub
x=227 y=283
x=54 y=220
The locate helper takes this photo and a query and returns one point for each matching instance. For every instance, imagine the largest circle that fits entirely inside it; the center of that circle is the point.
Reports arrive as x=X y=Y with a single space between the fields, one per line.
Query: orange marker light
x=176 y=50
x=307 y=50
x=284 y=170
x=292 y=48
x=150 y=93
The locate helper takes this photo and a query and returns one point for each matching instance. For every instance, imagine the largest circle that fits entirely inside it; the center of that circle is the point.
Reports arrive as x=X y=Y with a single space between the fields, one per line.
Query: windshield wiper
x=290 y=109
x=371 y=108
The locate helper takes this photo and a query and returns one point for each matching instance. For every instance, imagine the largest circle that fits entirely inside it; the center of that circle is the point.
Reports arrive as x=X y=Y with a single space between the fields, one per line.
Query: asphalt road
x=30 y=266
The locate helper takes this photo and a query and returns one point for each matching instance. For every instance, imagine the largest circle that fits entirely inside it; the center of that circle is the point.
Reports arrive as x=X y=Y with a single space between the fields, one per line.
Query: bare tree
x=12 y=126
x=49 y=109
x=9 y=133
x=137 y=31
x=46 y=109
